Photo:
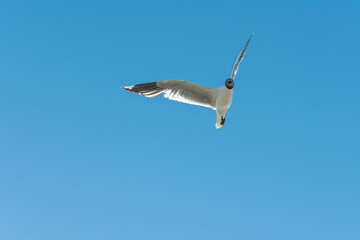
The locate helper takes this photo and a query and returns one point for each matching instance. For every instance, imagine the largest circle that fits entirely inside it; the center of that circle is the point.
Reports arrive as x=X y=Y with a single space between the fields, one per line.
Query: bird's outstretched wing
x=238 y=59
x=178 y=90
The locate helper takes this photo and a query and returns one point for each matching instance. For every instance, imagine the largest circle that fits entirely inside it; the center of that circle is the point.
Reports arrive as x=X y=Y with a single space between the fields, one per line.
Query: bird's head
x=229 y=83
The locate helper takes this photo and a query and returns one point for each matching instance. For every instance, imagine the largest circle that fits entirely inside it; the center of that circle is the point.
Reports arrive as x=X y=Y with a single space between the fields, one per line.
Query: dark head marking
x=229 y=83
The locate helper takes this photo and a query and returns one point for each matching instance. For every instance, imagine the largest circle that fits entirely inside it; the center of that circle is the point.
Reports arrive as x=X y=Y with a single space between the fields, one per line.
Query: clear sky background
x=80 y=158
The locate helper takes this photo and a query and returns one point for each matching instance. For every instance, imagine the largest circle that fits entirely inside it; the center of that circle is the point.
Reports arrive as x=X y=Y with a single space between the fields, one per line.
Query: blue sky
x=82 y=159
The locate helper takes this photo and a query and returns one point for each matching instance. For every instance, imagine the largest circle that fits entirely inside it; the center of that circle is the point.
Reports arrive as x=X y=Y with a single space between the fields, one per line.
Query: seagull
x=218 y=99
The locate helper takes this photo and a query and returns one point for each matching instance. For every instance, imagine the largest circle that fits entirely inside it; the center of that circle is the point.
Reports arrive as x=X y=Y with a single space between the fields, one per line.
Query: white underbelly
x=224 y=100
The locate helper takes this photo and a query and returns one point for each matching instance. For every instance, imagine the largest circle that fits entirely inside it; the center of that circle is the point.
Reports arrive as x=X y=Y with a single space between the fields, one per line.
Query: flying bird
x=218 y=99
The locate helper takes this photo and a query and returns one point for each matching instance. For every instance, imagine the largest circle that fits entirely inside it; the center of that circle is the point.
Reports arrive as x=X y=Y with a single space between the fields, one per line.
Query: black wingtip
x=145 y=89
x=252 y=33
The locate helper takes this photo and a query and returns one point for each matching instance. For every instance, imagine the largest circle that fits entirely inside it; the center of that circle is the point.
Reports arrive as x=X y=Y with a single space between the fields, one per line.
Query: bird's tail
x=220 y=120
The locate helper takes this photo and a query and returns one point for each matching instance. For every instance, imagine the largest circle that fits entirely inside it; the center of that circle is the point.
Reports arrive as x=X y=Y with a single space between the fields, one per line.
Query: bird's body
x=223 y=102
x=218 y=99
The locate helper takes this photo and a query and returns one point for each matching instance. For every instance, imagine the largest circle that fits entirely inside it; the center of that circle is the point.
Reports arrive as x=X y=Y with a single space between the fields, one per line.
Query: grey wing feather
x=178 y=90
x=239 y=59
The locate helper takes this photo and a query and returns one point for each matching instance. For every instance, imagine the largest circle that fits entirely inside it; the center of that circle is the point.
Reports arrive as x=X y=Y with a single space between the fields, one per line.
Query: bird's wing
x=238 y=59
x=178 y=90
